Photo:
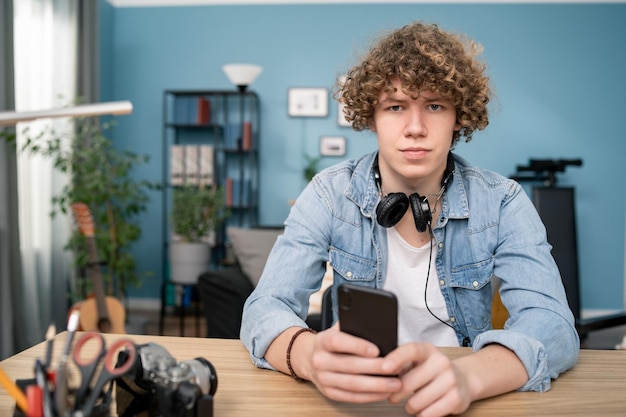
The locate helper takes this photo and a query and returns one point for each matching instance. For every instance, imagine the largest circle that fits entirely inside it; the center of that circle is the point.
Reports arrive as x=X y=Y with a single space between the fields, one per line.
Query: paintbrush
x=49 y=344
x=60 y=392
x=42 y=382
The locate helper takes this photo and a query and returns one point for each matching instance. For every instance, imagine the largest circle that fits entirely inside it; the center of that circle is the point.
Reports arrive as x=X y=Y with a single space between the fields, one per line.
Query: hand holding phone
x=369 y=313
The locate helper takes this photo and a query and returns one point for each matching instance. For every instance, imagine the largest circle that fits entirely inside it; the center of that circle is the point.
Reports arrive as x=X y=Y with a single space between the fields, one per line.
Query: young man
x=421 y=222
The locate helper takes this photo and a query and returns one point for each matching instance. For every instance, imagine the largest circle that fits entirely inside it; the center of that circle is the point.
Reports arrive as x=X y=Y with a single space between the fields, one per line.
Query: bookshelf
x=211 y=138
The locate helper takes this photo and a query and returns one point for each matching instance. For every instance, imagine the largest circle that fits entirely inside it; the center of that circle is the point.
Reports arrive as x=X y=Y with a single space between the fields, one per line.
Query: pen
x=42 y=381
x=72 y=325
x=60 y=392
x=14 y=391
x=49 y=344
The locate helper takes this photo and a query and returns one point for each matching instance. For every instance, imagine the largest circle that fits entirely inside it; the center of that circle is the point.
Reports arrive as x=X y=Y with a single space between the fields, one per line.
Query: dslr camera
x=159 y=386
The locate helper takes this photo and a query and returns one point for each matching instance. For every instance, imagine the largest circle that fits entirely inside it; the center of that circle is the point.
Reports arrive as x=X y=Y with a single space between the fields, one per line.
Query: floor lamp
x=242 y=75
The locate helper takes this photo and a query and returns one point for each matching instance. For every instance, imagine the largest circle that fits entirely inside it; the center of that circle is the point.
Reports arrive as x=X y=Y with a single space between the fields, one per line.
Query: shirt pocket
x=351 y=267
x=472 y=287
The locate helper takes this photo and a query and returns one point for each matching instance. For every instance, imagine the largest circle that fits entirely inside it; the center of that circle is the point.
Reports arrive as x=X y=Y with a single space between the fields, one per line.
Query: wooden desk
x=595 y=387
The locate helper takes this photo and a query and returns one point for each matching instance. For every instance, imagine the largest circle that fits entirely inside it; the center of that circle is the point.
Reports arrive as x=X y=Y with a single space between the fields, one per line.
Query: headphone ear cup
x=391 y=209
x=421 y=211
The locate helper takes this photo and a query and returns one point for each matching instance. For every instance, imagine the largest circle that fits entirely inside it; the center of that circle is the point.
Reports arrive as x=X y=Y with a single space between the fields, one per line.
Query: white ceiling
x=153 y=3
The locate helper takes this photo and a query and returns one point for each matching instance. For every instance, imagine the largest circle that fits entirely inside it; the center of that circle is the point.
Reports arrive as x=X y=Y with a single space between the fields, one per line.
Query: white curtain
x=45 y=77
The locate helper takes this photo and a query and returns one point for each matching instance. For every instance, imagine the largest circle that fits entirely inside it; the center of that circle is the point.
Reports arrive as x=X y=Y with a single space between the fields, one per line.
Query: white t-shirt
x=407 y=271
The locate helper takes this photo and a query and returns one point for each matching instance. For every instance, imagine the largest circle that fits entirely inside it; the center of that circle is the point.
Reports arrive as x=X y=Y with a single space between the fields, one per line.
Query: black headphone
x=393 y=206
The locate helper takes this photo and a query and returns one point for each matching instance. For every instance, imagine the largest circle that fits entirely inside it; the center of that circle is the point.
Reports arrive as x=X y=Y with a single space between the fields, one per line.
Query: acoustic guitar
x=101 y=313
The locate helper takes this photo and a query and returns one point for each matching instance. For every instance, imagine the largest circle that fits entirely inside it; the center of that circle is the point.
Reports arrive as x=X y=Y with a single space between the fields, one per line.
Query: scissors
x=86 y=396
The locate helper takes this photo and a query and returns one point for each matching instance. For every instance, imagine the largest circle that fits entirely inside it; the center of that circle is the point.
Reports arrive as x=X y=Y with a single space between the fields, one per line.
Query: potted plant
x=197 y=211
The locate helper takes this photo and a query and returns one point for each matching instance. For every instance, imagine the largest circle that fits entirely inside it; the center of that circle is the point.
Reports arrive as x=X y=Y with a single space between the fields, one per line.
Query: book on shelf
x=246 y=141
x=234 y=139
x=192 y=166
x=232 y=135
x=228 y=191
x=184 y=110
x=192 y=110
x=178 y=110
x=203 y=111
x=206 y=165
x=177 y=165
x=237 y=192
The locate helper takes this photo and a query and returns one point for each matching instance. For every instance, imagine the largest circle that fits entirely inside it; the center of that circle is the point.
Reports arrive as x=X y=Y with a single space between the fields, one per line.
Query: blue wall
x=557 y=71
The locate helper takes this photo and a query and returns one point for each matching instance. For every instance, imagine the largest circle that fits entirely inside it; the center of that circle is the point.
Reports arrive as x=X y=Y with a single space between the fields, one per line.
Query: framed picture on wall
x=341 y=117
x=308 y=102
x=332 y=146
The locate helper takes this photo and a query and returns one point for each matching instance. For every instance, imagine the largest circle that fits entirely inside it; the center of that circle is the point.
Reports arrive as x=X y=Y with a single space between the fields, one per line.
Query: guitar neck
x=96 y=278
x=103 y=304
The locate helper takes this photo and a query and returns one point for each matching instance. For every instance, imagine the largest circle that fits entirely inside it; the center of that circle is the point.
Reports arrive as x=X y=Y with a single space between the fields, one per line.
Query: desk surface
x=596 y=386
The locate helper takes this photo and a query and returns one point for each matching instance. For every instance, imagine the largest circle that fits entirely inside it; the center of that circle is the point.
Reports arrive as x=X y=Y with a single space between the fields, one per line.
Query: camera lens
x=205 y=375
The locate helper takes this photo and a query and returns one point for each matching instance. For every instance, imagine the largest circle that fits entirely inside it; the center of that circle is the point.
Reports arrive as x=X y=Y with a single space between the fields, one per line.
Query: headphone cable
x=430 y=259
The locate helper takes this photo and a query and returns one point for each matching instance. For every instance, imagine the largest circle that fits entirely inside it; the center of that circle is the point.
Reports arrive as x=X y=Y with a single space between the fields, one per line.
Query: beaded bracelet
x=293 y=339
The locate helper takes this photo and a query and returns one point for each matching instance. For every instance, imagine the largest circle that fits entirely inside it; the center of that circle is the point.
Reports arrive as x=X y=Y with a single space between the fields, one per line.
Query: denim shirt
x=487 y=229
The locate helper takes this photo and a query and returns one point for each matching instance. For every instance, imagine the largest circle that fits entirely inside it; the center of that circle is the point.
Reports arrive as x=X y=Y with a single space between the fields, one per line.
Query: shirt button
x=440 y=245
x=475 y=284
x=349 y=274
x=452 y=319
x=442 y=282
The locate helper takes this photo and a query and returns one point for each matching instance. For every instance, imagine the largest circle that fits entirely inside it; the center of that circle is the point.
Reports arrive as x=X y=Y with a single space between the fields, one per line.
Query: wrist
x=475 y=386
x=295 y=353
x=482 y=371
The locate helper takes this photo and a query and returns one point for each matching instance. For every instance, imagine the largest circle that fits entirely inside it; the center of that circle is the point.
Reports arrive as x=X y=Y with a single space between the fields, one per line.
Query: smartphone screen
x=369 y=313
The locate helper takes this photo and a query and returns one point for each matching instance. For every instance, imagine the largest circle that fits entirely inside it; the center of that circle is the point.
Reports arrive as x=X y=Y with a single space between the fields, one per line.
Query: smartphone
x=369 y=313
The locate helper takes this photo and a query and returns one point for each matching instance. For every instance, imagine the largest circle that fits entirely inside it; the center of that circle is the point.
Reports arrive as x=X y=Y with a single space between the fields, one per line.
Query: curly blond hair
x=424 y=58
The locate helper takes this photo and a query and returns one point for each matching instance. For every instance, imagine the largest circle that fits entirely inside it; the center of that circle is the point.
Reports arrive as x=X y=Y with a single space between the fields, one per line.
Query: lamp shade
x=242 y=75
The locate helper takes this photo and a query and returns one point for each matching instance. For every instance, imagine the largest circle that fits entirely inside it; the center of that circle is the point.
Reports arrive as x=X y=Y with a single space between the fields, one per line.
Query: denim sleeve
x=540 y=328
x=532 y=354
x=294 y=270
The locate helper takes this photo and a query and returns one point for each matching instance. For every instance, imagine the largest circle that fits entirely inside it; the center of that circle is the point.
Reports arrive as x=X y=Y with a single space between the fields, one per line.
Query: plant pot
x=188 y=261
